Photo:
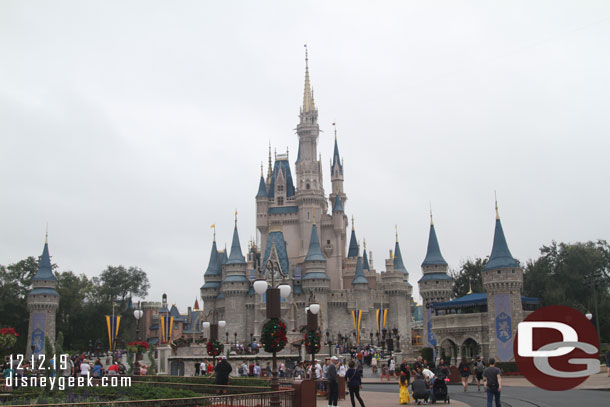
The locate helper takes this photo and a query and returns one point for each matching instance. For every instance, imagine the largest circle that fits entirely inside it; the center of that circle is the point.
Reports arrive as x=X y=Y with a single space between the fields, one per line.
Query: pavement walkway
x=381 y=399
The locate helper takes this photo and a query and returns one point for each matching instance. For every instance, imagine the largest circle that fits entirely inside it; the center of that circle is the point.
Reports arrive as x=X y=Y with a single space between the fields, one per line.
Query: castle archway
x=470 y=348
x=449 y=351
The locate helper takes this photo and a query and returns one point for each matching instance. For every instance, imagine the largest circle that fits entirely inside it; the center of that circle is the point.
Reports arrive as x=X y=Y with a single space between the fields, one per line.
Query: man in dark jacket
x=333 y=385
x=222 y=371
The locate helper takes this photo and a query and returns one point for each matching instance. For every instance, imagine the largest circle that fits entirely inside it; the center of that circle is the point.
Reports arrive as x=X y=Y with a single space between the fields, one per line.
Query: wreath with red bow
x=273 y=336
x=312 y=342
x=215 y=348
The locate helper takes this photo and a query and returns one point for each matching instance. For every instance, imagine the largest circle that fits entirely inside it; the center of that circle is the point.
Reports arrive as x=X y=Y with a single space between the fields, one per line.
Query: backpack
x=480 y=366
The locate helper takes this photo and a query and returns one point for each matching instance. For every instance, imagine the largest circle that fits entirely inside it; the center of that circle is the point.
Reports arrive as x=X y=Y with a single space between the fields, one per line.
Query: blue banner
x=504 y=327
x=39 y=320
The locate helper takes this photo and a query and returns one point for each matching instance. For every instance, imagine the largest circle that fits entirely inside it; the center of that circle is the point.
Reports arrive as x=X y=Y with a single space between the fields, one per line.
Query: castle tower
x=316 y=280
x=336 y=176
x=398 y=290
x=503 y=280
x=212 y=278
x=310 y=197
x=42 y=304
x=262 y=201
x=234 y=288
x=435 y=285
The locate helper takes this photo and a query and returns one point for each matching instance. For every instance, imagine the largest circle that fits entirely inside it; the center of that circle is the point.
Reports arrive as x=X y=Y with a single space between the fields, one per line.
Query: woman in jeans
x=353 y=383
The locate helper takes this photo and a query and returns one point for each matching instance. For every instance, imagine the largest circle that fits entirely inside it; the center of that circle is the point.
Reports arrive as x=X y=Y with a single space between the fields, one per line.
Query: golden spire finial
x=275 y=154
x=235 y=217
x=335 y=126
x=364 y=243
x=261 y=169
x=431 y=219
x=496 y=199
x=396 y=227
x=213 y=226
x=46 y=235
x=353 y=222
x=469 y=288
x=314 y=215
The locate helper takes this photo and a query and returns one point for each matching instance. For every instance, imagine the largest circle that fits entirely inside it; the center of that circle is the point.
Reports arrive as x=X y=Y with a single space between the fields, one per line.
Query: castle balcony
x=451 y=323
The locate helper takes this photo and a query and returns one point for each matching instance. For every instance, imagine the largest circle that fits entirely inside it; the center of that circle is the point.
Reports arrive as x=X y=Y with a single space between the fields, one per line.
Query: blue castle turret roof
x=315 y=252
x=236 y=257
x=500 y=256
x=433 y=255
x=359 y=277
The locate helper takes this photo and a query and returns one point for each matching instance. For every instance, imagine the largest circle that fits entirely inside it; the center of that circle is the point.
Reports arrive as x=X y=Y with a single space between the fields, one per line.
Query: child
x=404 y=389
x=384 y=372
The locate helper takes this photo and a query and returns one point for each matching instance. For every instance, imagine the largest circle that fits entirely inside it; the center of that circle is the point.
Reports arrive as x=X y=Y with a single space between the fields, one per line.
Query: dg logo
x=556 y=348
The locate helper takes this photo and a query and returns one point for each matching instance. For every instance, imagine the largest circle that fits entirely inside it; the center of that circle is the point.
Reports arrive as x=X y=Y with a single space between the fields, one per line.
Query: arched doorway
x=449 y=351
x=470 y=348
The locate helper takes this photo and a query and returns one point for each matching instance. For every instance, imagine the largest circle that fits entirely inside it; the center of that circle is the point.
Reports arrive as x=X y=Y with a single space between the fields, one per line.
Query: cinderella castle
x=306 y=231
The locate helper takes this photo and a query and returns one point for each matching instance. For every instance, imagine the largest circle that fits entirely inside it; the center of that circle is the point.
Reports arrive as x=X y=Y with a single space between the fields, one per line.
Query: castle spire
x=315 y=252
x=353 y=243
x=308 y=102
x=45 y=271
x=359 y=277
x=365 y=258
x=433 y=254
x=336 y=156
x=236 y=257
x=500 y=256
x=398 y=263
x=269 y=170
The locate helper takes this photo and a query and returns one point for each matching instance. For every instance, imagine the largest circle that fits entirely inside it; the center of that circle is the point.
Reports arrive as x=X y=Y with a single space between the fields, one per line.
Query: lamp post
x=397 y=336
x=312 y=318
x=329 y=342
x=273 y=307
x=213 y=327
x=137 y=314
x=371 y=335
x=235 y=338
x=377 y=335
x=383 y=334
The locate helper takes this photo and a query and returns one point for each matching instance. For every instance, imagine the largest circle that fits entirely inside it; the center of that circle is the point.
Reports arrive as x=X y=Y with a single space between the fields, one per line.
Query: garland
x=312 y=342
x=273 y=336
x=215 y=348
x=137 y=346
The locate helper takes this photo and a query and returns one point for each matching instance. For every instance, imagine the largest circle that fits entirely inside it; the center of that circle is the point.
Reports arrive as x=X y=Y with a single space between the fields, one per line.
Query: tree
x=15 y=282
x=573 y=274
x=469 y=276
x=118 y=284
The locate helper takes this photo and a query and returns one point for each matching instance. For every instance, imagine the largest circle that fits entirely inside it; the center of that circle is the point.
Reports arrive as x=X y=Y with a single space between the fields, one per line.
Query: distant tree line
x=572 y=274
x=83 y=302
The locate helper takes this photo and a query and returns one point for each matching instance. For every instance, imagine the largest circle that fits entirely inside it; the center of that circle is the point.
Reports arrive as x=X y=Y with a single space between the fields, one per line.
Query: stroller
x=439 y=388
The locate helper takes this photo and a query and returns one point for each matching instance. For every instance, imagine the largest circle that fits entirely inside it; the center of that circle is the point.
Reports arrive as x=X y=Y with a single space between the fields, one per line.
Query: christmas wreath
x=137 y=346
x=215 y=348
x=273 y=336
x=312 y=342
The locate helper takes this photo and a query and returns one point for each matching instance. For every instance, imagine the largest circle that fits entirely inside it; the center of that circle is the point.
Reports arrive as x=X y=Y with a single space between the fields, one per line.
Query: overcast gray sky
x=131 y=126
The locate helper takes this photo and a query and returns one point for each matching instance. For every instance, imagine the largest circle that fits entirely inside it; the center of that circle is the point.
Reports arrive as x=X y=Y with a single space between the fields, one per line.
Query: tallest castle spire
x=308 y=102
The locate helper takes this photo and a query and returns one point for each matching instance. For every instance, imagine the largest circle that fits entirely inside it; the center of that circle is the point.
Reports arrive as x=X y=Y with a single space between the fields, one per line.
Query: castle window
x=307 y=186
x=499 y=271
x=513 y=271
x=280 y=188
x=280 y=200
x=328 y=242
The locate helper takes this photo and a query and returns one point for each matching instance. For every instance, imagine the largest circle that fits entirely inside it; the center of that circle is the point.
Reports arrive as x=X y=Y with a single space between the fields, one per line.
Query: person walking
x=608 y=361
x=333 y=384
x=492 y=378
x=464 y=369
x=479 y=368
x=354 y=381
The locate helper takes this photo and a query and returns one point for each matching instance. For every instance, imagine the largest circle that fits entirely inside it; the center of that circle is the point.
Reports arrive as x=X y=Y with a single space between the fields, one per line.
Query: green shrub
x=507 y=367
